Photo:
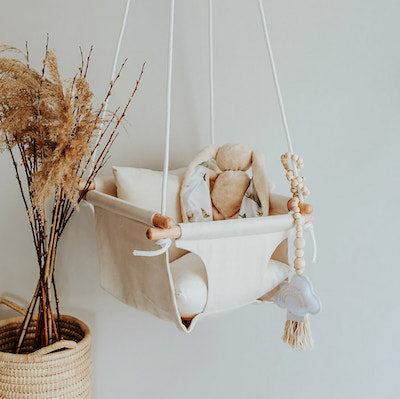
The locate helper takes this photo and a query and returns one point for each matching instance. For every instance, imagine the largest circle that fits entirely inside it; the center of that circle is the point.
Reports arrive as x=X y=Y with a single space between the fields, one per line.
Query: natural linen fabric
x=142 y=187
x=234 y=253
x=190 y=282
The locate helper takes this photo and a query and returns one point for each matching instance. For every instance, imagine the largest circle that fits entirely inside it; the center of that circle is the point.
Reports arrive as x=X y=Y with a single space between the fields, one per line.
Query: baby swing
x=233 y=254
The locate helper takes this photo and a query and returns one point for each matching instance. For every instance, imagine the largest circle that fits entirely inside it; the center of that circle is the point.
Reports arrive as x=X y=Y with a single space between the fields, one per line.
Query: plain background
x=339 y=65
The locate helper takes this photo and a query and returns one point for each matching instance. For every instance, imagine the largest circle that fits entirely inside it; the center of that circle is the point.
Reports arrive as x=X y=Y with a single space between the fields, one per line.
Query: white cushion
x=142 y=187
x=190 y=282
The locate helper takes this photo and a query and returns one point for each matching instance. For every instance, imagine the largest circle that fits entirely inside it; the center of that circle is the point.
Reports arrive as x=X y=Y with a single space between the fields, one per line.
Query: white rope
x=168 y=118
x=211 y=66
x=164 y=243
x=310 y=228
x=121 y=35
x=282 y=109
x=116 y=56
x=276 y=81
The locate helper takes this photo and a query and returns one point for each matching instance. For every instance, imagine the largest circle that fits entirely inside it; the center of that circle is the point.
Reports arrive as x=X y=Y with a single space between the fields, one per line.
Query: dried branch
x=55 y=132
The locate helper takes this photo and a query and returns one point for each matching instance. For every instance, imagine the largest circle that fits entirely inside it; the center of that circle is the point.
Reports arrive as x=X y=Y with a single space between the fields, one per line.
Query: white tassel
x=298 y=333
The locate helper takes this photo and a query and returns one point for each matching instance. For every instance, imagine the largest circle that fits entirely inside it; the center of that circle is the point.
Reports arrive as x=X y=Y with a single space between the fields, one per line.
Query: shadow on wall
x=77 y=271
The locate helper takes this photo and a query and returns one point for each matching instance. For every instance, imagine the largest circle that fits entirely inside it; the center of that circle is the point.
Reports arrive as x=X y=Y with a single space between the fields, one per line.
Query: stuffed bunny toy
x=223 y=171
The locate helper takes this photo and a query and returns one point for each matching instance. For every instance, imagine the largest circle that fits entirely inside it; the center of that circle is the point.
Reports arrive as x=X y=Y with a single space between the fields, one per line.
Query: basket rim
x=30 y=357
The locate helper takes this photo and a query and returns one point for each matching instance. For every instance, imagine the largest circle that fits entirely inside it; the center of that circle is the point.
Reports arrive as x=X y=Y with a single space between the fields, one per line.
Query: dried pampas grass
x=56 y=138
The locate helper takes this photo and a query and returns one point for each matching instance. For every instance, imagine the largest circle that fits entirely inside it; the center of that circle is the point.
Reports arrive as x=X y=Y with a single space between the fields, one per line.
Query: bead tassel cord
x=297 y=189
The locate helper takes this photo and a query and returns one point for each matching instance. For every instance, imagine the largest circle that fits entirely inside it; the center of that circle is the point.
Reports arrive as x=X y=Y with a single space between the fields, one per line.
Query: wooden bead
x=299 y=242
x=297 y=188
x=299 y=263
x=299 y=252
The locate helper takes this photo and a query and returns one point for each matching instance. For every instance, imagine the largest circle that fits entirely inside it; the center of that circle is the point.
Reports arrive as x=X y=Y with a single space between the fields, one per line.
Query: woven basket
x=61 y=370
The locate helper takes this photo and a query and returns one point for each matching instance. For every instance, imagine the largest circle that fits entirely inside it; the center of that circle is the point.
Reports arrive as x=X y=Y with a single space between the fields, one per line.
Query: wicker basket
x=61 y=370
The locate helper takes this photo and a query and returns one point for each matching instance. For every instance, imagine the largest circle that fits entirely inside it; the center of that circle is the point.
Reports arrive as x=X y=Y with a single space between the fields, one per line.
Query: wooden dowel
x=164 y=222
x=304 y=208
x=155 y=233
x=82 y=185
x=309 y=218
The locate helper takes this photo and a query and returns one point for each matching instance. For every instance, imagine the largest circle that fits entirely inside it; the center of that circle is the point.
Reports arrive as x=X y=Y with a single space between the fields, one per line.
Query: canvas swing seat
x=237 y=262
x=235 y=255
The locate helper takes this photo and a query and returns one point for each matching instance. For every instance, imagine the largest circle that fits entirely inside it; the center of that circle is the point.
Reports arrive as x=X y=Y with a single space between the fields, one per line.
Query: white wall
x=339 y=64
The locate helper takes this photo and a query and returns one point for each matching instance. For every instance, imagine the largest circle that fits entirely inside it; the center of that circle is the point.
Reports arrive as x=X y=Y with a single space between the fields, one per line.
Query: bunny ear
x=204 y=155
x=260 y=180
x=298 y=297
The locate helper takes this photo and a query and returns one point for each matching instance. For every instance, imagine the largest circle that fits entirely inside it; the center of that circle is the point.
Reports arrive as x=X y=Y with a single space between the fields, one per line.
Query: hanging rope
x=116 y=57
x=283 y=113
x=121 y=36
x=168 y=118
x=165 y=244
x=275 y=74
x=211 y=66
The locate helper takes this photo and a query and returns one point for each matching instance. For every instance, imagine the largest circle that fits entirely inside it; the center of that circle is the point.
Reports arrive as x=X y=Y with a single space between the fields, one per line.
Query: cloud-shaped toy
x=298 y=297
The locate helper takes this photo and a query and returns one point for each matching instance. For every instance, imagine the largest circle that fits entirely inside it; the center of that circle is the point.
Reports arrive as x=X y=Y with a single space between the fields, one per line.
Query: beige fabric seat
x=235 y=254
x=191 y=286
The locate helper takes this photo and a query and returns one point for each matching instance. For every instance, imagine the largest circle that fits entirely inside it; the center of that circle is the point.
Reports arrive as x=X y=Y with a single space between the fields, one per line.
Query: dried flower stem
x=55 y=132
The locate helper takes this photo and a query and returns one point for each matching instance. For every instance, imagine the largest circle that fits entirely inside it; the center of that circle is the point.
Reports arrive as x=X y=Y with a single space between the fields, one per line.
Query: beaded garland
x=297 y=189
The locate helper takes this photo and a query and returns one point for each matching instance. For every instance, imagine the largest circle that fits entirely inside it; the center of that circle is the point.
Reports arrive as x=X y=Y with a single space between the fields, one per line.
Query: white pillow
x=190 y=282
x=142 y=187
